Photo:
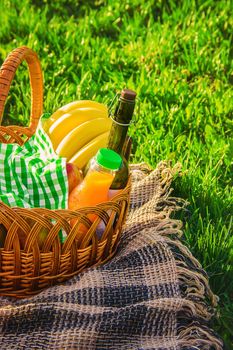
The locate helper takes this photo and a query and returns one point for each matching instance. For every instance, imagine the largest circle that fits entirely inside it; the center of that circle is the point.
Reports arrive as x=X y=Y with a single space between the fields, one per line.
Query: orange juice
x=94 y=189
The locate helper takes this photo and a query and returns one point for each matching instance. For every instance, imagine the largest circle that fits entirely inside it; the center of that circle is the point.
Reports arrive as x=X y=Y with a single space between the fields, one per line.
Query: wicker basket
x=26 y=270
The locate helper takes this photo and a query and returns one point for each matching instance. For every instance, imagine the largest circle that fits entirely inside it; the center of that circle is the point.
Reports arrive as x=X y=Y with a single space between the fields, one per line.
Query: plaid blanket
x=152 y=295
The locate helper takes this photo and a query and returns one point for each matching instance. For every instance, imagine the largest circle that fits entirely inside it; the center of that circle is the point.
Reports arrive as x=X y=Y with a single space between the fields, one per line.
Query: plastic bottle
x=94 y=188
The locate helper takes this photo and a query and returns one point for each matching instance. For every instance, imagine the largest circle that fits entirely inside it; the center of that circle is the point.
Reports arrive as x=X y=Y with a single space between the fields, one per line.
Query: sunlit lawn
x=177 y=57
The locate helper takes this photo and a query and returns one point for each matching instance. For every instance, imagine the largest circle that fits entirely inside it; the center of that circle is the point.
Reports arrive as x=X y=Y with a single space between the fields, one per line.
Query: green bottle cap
x=108 y=159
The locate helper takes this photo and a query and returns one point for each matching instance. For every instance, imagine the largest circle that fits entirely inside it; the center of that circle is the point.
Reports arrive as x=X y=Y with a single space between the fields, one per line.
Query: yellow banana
x=81 y=135
x=82 y=157
x=68 y=121
x=73 y=106
x=84 y=104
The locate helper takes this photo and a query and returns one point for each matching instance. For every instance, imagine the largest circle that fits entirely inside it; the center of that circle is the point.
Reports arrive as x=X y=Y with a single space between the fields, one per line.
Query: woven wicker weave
x=27 y=267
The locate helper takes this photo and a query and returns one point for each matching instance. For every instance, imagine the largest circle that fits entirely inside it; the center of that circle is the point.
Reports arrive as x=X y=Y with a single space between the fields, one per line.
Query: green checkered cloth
x=33 y=175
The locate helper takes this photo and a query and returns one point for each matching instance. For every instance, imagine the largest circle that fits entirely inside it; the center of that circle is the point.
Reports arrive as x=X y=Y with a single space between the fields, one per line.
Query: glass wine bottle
x=118 y=133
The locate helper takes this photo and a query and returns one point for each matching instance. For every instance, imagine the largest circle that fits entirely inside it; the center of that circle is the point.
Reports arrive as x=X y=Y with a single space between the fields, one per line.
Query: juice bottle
x=94 y=188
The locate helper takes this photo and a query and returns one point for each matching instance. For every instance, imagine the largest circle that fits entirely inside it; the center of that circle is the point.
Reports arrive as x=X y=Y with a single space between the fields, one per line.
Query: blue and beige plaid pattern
x=151 y=295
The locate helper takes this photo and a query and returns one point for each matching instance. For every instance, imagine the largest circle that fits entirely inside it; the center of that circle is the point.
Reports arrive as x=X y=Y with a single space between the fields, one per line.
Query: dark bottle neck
x=124 y=111
x=121 y=120
x=127 y=147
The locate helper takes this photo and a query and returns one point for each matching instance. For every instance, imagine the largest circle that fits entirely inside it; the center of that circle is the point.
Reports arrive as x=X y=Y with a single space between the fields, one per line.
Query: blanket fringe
x=199 y=302
x=197 y=337
x=191 y=274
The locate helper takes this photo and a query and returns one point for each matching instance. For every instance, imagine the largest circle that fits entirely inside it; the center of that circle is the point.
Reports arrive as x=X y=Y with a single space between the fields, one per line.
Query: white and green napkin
x=33 y=175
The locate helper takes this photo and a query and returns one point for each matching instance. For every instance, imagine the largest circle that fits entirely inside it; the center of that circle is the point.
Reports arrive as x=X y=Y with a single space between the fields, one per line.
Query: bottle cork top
x=128 y=94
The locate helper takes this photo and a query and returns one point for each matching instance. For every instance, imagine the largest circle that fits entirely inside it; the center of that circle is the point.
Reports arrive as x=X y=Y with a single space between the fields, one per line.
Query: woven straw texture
x=7 y=73
x=153 y=294
x=27 y=265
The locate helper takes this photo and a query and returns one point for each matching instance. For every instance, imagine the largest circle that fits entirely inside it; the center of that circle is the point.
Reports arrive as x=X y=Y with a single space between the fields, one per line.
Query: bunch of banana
x=82 y=157
x=78 y=129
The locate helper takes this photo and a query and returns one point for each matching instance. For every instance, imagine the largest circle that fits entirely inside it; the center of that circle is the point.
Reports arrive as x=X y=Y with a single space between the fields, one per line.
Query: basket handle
x=7 y=73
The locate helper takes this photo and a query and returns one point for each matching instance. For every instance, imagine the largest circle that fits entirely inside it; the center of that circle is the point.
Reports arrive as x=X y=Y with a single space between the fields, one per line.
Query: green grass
x=177 y=56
